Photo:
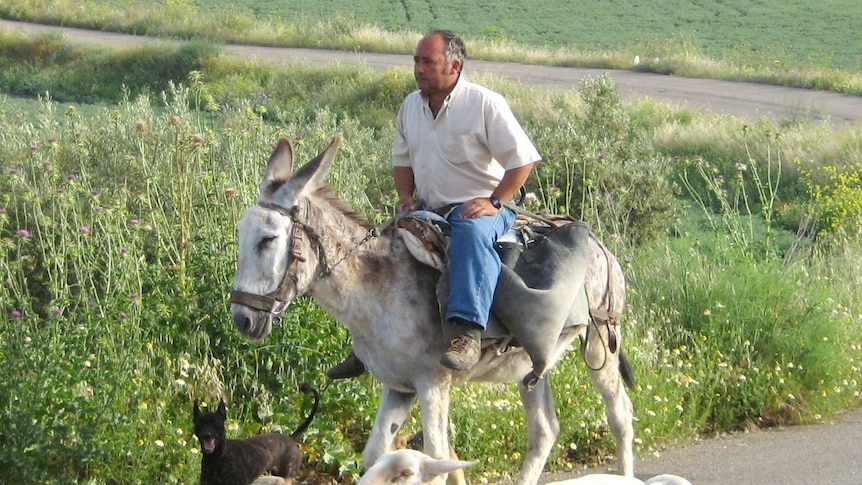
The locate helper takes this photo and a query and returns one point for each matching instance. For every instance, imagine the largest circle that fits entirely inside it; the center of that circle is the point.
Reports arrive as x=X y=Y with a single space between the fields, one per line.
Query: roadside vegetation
x=797 y=43
x=119 y=199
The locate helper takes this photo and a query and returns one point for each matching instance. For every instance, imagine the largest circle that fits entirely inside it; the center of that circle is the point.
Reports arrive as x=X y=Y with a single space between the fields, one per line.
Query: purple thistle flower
x=13 y=171
x=84 y=230
x=124 y=250
x=71 y=176
x=34 y=147
x=24 y=233
x=16 y=314
x=135 y=222
x=123 y=316
x=56 y=311
x=91 y=303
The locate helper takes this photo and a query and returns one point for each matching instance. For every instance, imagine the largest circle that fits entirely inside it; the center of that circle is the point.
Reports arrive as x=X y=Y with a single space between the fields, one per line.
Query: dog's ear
x=221 y=409
x=197 y=410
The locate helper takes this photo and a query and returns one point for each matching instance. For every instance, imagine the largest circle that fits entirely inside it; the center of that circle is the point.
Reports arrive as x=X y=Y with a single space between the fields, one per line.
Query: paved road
x=820 y=454
x=744 y=100
x=816 y=454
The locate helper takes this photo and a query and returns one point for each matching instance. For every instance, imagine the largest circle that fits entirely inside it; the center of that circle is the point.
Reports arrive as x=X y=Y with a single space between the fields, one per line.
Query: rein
x=276 y=301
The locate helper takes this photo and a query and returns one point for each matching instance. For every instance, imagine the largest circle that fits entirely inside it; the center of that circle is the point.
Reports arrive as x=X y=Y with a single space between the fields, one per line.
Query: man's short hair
x=454 y=50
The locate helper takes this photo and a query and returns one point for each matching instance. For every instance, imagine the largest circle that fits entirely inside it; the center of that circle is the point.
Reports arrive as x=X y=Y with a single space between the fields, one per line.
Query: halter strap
x=276 y=301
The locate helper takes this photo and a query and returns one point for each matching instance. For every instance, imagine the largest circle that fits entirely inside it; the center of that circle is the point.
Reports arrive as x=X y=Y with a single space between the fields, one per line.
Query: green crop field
x=823 y=33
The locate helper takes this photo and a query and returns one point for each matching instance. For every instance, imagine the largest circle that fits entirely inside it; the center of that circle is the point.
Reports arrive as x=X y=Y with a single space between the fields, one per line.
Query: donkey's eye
x=265 y=242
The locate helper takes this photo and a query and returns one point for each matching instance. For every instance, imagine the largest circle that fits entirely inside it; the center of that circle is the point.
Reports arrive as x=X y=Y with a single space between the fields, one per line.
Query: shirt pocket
x=463 y=149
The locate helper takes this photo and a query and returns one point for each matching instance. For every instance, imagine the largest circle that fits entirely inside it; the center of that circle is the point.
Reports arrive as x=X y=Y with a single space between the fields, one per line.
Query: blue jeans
x=474 y=266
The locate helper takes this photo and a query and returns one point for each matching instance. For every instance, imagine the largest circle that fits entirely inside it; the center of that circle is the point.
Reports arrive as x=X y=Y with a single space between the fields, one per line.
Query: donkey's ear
x=279 y=168
x=309 y=178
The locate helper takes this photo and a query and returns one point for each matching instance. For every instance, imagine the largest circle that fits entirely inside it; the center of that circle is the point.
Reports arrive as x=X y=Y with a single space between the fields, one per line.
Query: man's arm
x=505 y=191
x=404 y=185
x=512 y=182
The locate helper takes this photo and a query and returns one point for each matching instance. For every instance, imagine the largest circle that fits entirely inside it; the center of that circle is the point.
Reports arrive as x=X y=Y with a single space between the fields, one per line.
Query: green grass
x=795 y=44
x=117 y=249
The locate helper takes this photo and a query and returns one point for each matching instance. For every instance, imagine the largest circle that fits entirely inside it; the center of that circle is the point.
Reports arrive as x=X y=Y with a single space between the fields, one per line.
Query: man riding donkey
x=459 y=152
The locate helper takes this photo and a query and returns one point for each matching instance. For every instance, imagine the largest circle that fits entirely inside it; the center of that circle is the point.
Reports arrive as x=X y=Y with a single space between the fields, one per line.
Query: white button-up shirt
x=464 y=152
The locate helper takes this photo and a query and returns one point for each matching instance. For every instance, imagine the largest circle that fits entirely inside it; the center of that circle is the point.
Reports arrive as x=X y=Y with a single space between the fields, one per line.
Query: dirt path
x=745 y=100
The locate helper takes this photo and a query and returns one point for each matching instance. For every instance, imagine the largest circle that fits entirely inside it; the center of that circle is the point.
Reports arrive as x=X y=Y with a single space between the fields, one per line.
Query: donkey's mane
x=327 y=193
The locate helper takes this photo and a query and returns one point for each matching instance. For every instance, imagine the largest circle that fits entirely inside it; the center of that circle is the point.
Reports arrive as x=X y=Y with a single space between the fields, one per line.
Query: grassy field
x=117 y=246
x=795 y=43
x=770 y=31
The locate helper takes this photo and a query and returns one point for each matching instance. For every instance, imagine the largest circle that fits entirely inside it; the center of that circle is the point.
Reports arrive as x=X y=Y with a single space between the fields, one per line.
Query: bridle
x=276 y=301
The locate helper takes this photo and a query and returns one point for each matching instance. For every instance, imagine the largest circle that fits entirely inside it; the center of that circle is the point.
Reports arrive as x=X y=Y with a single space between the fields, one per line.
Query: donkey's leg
x=434 y=404
x=393 y=410
x=609 y=382
x=543 y=427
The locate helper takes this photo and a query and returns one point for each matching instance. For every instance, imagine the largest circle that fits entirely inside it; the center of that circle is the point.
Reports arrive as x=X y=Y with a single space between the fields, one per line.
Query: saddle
x=541 y=287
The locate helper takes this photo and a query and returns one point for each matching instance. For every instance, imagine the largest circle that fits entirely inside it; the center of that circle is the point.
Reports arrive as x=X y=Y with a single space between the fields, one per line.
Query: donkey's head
x=279 y=255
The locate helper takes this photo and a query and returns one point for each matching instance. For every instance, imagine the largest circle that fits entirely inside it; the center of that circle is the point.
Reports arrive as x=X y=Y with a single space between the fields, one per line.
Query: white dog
x=608 y=479
x=411 y=467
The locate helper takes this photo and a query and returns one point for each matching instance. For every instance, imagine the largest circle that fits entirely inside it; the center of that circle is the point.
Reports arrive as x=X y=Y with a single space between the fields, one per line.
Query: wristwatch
x=495 y=202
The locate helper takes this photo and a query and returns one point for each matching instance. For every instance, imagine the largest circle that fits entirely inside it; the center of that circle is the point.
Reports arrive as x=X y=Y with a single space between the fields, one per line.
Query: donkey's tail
x=306 y=388
x=627 y=372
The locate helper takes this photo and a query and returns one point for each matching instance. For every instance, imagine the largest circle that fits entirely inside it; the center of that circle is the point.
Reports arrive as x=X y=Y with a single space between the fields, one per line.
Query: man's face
x=433 y=74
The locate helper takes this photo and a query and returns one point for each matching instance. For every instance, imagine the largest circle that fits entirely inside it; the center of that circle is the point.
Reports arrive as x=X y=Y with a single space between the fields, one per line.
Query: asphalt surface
x=818 y=454
x=821 y=454
x=744 y=100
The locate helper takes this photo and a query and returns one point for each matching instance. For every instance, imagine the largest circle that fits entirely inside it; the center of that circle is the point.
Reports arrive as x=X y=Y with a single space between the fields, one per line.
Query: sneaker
x=351 y=366
x=463 y=353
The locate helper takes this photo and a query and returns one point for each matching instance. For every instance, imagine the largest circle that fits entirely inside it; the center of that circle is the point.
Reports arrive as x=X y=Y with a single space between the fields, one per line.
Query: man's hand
x=478 y=207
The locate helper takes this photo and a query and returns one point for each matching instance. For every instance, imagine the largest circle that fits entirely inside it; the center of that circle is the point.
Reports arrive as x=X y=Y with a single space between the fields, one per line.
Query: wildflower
x=13 y=171
x=159 y=444
x=231 y=192
x=124 y=250
x=175 y=120
x=123 y=316
x=707 y=312
x=141 y=126
x=24 y=233
x=84 y=230
x=16 y=314
x=34 y=147
x=56 y=311
x=134 y=222
x=71 y=176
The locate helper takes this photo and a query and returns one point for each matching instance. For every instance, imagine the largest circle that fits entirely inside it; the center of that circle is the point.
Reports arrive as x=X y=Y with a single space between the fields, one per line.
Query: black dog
x=240 y=462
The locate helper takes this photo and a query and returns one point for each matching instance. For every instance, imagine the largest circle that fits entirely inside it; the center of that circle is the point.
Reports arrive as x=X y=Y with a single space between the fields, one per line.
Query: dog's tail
x=306 y=388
